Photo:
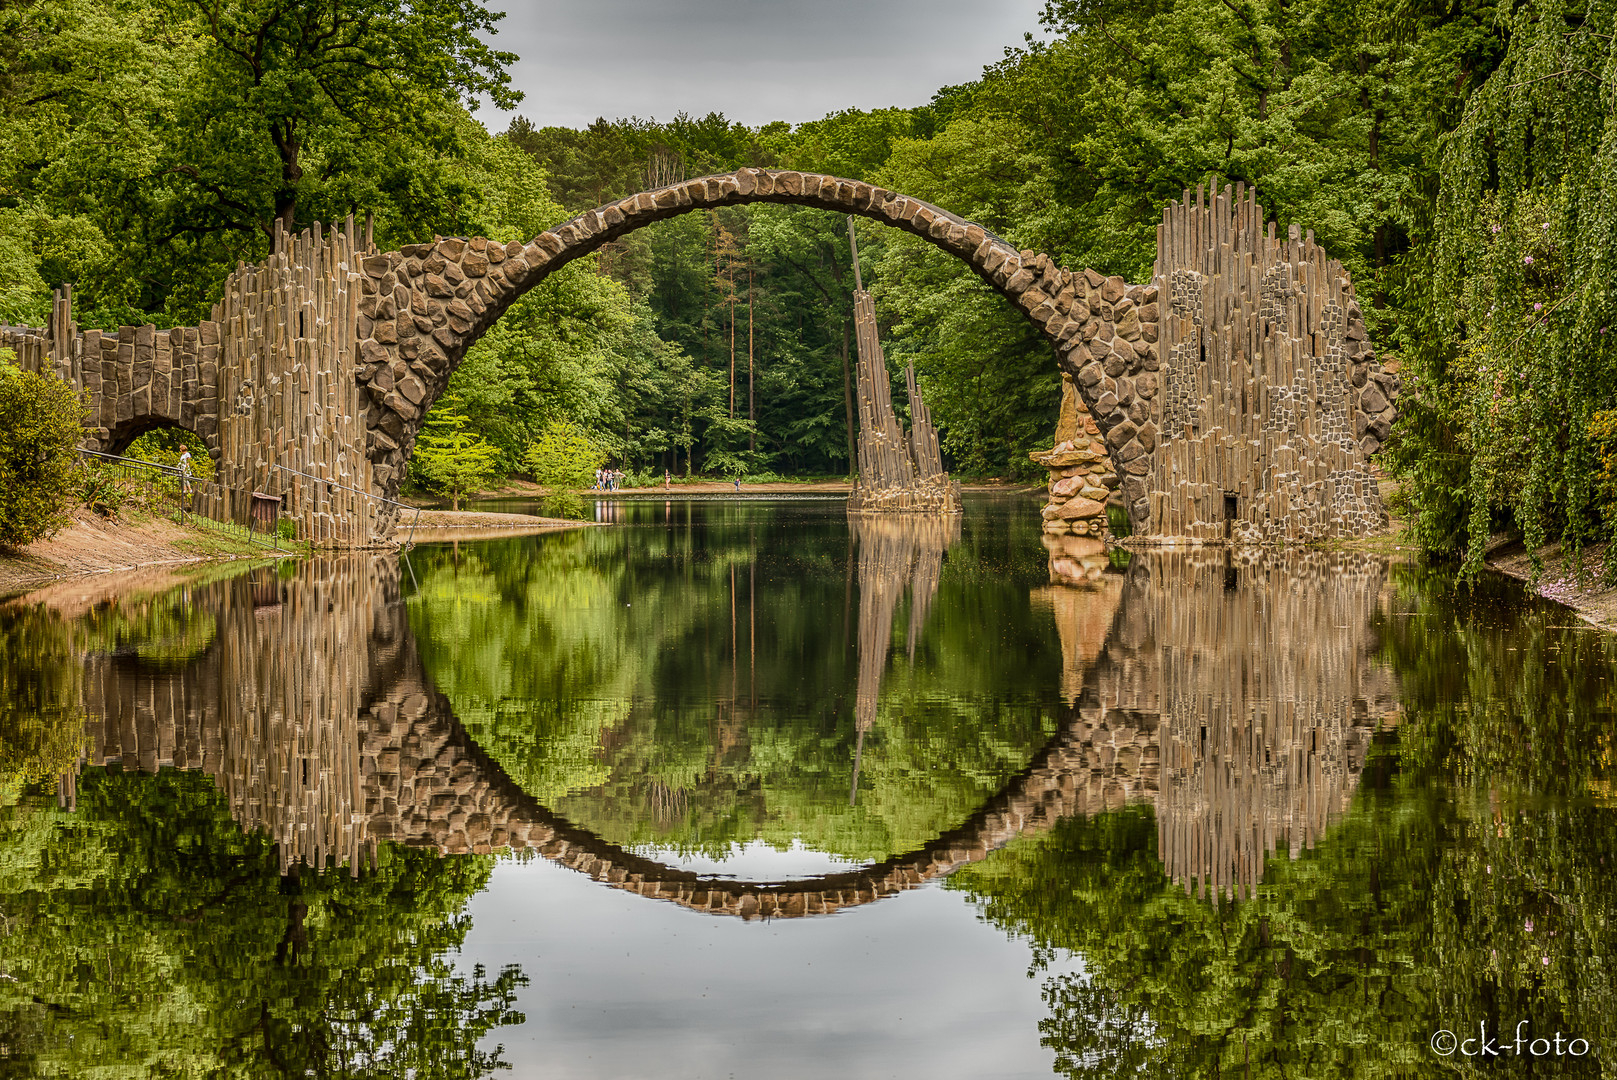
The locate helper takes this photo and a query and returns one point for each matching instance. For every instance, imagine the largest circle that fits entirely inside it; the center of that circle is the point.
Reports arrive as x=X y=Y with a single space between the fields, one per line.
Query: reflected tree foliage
x=1473 y=881
x=41 y=712
x=690 y=681
x=147 y=929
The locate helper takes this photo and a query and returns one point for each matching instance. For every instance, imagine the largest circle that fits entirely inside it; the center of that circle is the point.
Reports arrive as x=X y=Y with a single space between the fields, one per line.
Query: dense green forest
x=1456 y=155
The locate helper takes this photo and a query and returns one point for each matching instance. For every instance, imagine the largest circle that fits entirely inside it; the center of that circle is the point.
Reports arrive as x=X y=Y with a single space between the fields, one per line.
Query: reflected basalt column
x=271 y=710
x=895 y=554
x=1260 y=672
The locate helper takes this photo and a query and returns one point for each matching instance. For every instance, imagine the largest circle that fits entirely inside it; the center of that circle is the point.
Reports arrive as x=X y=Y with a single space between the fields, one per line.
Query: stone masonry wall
x=1245 y=356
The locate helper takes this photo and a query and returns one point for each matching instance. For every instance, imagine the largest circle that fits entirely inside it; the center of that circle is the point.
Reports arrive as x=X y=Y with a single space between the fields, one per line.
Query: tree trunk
x=847 y=402
x=752 y=415
x=288 y=146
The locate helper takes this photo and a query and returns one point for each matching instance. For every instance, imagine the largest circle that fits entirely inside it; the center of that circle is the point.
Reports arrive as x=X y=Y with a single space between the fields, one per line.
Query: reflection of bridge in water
x=1239 y=700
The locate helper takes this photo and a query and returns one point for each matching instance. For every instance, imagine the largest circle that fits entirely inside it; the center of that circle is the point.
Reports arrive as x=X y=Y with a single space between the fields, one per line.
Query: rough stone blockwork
x=1235 y=396
x=268 y=383
x=132 y=380
x=1081 y=483
x=1269 y=400
x=421 y=307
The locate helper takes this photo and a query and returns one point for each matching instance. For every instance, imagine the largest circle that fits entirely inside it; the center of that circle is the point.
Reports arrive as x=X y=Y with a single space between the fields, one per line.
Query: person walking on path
x=667 y=480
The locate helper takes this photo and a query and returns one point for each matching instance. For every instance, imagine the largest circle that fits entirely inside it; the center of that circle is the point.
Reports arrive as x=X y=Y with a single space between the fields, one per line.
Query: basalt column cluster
x=268 y=383
x=896 y=473
x=292 y=421
x=1271 y=400
x=272 y=710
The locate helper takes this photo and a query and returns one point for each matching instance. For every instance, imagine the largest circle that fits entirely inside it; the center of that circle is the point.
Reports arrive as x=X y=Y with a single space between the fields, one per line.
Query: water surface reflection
x=1288 y=814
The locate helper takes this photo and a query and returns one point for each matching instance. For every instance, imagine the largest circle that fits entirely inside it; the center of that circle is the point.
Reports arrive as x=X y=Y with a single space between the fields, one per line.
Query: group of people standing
x=608 y=479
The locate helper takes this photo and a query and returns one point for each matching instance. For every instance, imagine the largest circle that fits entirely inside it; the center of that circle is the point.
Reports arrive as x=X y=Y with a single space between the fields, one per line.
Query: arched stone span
x=423 y=306
x=1242 y=406
x=121 y=435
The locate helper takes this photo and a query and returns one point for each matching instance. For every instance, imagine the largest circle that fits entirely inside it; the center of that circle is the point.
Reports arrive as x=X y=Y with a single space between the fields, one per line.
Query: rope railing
x=252 y=515
x=409 y=540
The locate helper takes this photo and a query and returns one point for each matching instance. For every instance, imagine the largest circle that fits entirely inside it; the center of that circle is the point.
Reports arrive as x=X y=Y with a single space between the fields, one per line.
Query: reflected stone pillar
x=1269 y=697
x=272 y=709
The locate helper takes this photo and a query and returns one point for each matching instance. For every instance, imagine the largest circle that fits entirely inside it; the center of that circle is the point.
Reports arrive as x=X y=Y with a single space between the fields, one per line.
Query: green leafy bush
x=39 y=433
x=163 y=446
x=564 y=504
x=100 y=489
x=639 y=478
x=449 y=459
x=565 y=456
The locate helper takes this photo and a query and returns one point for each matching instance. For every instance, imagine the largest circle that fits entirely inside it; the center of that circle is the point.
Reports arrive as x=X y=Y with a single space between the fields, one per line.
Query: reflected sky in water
x=915 y=986
x=755 y=861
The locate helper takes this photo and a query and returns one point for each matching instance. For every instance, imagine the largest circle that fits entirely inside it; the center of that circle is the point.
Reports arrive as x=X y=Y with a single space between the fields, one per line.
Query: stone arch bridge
x=1235 y=394
x=1240 y=708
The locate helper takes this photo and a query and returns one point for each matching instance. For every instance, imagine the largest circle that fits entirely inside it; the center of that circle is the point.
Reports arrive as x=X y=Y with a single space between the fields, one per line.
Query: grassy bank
x=92 y=544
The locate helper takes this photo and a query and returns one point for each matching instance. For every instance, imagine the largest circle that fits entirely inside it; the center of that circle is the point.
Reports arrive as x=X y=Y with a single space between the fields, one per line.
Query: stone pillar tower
x=291 y=421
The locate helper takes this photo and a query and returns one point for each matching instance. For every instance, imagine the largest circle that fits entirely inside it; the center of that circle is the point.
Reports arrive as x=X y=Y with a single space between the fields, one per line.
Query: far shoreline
x=526 y=491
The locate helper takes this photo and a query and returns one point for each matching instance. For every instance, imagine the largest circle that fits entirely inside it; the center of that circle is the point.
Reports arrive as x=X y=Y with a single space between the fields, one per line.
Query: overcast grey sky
x=752 y=60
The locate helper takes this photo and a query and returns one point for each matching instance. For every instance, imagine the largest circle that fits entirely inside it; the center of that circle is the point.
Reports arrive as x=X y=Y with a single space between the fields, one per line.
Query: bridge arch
x=423 y=306
x=121 y=435
x=1243 y=406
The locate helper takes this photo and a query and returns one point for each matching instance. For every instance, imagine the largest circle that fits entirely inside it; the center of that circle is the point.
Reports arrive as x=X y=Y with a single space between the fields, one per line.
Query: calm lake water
x=733 y=788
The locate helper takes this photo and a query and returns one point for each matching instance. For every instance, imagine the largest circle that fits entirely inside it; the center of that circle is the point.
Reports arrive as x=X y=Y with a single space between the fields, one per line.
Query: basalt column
x=292 y=422
x=895 y=473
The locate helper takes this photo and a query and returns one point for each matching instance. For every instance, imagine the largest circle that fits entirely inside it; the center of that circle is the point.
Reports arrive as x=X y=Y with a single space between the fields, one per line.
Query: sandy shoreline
x=435 y=525
x=93 y=545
